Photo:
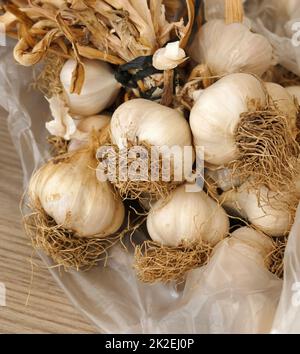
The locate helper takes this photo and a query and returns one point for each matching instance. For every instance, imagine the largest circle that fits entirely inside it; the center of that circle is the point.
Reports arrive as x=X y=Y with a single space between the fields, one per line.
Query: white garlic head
x=187 y=217
x=232 y=48
x=266 y=210
x=100 y=88
x=68 y=191
x=216 y=115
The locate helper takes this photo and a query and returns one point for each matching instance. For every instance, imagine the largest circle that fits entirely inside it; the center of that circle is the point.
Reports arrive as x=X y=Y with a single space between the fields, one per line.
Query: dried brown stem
x=234 y=11
x=167 y=97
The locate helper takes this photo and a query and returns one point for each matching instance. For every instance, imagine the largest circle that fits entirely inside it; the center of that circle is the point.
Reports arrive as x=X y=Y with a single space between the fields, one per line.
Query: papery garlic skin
x=187 y=217
x=69 y=192
x=86 y=126
x=56 y=3
x=232 y=48
x=141 y=120
x=263 y=208
x=252 y=244
x=99 y=90
x=63 y=125
x=169 y=57
x=216 y=115
x=294 y=91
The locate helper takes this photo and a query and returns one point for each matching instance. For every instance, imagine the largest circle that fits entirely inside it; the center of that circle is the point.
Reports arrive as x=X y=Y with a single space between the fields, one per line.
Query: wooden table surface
x=48 y=309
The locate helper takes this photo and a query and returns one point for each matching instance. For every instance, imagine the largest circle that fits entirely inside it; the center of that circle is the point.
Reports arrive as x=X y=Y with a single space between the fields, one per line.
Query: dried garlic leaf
x=92 y=53
x=28 y=56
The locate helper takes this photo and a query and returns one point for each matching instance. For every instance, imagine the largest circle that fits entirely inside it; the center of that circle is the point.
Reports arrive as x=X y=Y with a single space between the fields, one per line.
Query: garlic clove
x=99 y=91
x=169 y=57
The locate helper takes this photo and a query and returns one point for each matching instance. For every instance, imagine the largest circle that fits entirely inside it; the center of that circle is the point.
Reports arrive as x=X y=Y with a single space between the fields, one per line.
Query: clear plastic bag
x=275 y=20
x=211 y=300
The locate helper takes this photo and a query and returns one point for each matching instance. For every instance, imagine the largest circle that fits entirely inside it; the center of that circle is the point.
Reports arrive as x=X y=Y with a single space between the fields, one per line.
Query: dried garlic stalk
x=116 y=31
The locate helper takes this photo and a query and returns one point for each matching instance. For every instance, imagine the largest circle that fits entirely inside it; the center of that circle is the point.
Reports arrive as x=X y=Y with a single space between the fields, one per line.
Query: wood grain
x=48 y=309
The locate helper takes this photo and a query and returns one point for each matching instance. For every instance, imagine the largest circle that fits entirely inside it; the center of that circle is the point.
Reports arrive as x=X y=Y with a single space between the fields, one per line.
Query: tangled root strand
x=157 y=263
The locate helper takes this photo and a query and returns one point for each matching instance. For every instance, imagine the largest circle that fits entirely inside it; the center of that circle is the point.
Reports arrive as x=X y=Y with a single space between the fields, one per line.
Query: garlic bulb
x=141 y=120
x=187 y=217
x=216 y=114
x=159 y=140
x=232 y=48
x=169 y=57
x=252 y=244
x=266 y=210
x=86 y=126
x=69 y=192
x=295 y=92
x=99 y=91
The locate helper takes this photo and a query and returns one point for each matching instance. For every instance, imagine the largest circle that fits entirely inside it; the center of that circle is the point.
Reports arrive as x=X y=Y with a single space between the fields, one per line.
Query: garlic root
x=65 y=248
x=156 y=263
x=268 y=151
